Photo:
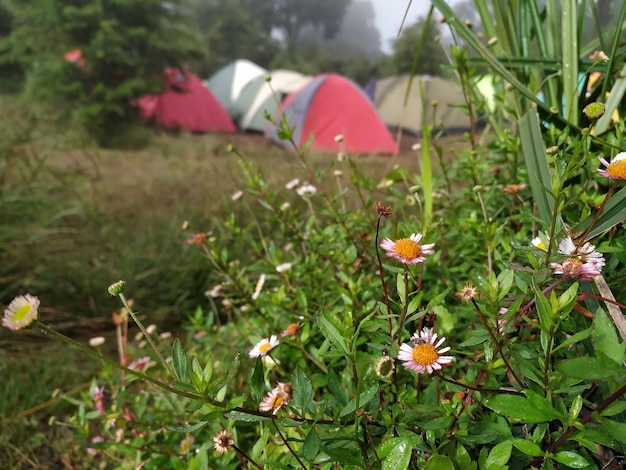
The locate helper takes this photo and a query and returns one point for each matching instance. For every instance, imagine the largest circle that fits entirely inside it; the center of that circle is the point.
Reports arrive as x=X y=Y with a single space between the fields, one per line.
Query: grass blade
x=537 y=166
x=613 y=214
x=569 y=39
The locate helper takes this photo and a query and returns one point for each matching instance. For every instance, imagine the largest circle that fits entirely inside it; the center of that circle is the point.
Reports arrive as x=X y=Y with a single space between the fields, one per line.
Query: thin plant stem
x=405 y=301
x=167 y=366
x=382 y=279
x=287 y=443
x=121 y=367
x=496 y=342
x=607 y=196
x=245 y=456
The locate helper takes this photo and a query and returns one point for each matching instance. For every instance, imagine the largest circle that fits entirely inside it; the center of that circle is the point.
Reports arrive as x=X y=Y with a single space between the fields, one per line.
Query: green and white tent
x=257 y=98
x=388 y=95
x=228 y=82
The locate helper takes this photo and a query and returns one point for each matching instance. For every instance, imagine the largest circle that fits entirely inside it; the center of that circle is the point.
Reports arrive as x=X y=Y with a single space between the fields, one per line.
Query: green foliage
x=322 y=344
x=405 y=50
x=123 y=49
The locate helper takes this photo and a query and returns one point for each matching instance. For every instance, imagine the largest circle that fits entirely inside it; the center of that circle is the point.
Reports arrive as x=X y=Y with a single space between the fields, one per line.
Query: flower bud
x=117 y=287
x=594 y=110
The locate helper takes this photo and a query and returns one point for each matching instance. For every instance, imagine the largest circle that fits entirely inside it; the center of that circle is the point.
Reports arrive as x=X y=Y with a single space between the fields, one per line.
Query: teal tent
x=261 y=96
x=228 y=82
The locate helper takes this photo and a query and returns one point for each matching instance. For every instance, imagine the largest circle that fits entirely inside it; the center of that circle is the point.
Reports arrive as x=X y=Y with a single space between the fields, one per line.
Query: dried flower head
x=408 y=250
x=21 y=312
x=424 y=355
x=514 y=189
x=291 y=330
x=198 y=238
x=467 y=293
x=383 y=211
x=223 y=441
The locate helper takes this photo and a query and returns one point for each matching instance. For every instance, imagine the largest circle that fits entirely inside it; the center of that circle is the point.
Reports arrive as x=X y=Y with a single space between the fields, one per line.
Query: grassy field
x=76 y=219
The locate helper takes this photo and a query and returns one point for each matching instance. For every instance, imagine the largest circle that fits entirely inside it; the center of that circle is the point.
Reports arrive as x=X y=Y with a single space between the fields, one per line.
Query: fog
x=389 y=14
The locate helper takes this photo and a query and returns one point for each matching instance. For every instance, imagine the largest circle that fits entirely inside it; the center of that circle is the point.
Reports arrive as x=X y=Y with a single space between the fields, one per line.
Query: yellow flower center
x=574 y=263
x=617 y=169
x=408 y=248
x=425 y=354
x=277 y=402
x=22 y=312
x=265 y=347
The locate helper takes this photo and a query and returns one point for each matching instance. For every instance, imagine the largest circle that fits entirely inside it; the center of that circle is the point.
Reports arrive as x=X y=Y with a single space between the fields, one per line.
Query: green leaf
x=257 y=383
x=537 y=166
x=401 y=287
x=575 y=338
x=398 y=453
x=437 y=462
x=332 y=334
x=614 y=408
x=569 y=69
x=190 y=428
x=590 y=368
x=521 y=408
x=236 y=402
x=571 y=459
x=575 y=408
x=302 y=390
x=311 y=444
x=605 y=338
x=527 y=447
x=364 y=398
x=499 y=455
x=616 y=430
x=339 y=392
x=348 y=454
x=464 y=460
x=245 y=417
x=179 y=359
x=544 y=310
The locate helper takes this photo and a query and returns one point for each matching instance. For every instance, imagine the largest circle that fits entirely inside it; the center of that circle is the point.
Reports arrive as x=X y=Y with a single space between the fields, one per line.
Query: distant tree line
x=91 y=58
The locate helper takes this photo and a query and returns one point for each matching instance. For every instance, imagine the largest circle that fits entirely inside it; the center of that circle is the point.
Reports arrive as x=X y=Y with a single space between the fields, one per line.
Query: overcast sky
x=389 y=15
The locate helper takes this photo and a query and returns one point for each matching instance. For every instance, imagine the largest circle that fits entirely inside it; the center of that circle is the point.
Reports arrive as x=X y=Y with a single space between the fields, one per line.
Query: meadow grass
x=76 y=219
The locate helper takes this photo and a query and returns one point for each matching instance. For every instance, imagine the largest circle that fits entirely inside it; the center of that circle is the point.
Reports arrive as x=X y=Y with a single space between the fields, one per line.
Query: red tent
x=187 y=103
x=331 y=105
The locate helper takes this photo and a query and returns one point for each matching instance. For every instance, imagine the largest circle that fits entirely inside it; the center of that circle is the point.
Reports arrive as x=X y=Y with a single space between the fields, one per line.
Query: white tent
x=228 y=82
x=257 y=97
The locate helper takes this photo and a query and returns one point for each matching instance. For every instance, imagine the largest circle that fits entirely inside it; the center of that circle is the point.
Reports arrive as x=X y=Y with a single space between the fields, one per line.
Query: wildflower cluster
x=582 y=262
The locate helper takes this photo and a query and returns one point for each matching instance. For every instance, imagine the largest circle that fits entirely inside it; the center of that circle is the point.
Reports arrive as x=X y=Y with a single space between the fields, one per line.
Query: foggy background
x=389 y=14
